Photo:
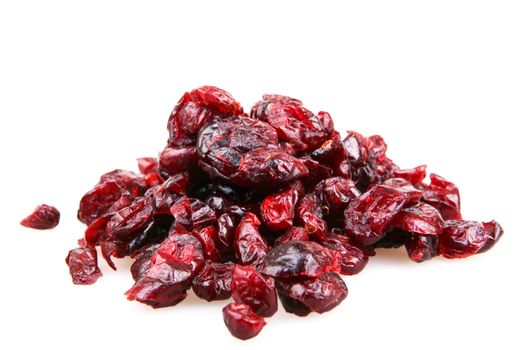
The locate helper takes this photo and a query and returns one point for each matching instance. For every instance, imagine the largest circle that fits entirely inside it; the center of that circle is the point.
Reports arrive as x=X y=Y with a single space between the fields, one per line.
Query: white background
x=86 y=87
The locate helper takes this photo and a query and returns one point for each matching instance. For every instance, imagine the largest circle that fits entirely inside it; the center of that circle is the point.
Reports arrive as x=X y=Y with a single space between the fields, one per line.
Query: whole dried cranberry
x=195 y=109
x=353 y=259
x=420 y=218
x=277 y=210
x=83 y=265
x=413 y=195
x=208 y=237
x=44 y=217
x=310 y=215
x=299 y=258
x=125 y=223
x=268 y=168
x=192 y=213
x=241 y=321
x=174 y=160
x=249 y=245
x=227 y=224
x=142 y=262
x=369 y=216
x=182 y=249
x=460 y=239
x=444 y=196
x=96 y=202
x=319 y=294
x=214 y=281
x=336 y=193
x=333 y=154
x=295 y=124
x=251 y=288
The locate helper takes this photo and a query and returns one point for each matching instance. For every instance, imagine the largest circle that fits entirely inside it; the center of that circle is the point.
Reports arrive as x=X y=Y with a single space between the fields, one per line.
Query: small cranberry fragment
x=241 y=321
x=147 y=165
x=44 y=217
x=251 y=288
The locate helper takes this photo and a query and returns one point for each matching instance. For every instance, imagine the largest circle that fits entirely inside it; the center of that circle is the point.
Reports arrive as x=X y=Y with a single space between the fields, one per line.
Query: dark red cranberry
x=319 y=294
x=420 y=247
x=83 y=265
x=293 y=234
x=444 y=196
x=214 y=281
x=241 y=321
x=44 y=217
x=414 y=176
x=420 y=218
x=147 y=165
x=278 y=209
x=353 y=258
x=299 y=258
x=251 y=288
x=249 y=245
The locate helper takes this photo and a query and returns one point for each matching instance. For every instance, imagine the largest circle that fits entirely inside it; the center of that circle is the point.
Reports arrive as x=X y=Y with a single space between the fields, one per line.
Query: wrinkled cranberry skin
x=180 y=248
x=444 y=196
x=353 y=259
x=208 y=237
x=96 y=202
x=83 y=265
x=336 y=193
x=214 y=281
x=197 y=108
x=44 y=217
x=421 y=248
x=413 y=195
x=295 y=124
x=175 y=160
x=320 y=294
x=460 y=238
x=309 y=213
x=126 y=222
x=291 y=305
x=241 y=321
x=222 y=143
x=268 y=168
x=250 y=247
x=420 y=218
x=251 y=288
x=299 y=258
x=142 y=262
x=370 y=215
x=192 y=214
x=278 y=209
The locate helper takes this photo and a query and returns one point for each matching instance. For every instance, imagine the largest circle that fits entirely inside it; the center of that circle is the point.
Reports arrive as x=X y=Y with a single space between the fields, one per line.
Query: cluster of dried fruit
x=260 y=207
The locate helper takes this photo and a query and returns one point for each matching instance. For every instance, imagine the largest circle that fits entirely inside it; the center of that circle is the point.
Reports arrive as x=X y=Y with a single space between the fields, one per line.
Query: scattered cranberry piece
x=44 y=217
x=83 y=265
x=241 y=321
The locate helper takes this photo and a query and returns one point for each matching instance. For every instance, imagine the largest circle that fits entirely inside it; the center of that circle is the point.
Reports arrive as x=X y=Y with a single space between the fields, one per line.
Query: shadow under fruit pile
x=262 y=207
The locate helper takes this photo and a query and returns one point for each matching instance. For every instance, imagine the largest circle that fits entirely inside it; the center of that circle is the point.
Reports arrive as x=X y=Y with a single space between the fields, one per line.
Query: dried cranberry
x=353 y=258
x=126 y=222
x=213 y=282
x=310 y=215
x=444 y=196
x=96 y=202
x=175 y=160
x=251 y=288
x=336 y=193
x=460 y=239
x=142 y=262
x=299 y=258
x=241 y=321
x=147 y=165
x=414 y=176
x=420 y=218
x=192 y=213
x=249 y=245
x=44 y=217
x=369 y=216
x=320 y=294
x=208 y=237
x=180 y=248
x=277 y=210
x=83 y=265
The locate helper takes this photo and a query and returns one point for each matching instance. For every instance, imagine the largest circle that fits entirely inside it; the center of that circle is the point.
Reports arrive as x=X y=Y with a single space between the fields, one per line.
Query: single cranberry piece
x=192 y=213
x=369 y=216
x=83 y=265
x=241 y=321
x=278 y=209
x=444 y=196
x=44 y=217
x=319 y=294
x=460 y=239
x=147 y=165
x=336 y=193
x=414 y=176
x=251 y=288
x=299 y=258
x=310 y=215
x=142 y=262
x=214 y=281
x=353 y=258
x=125 y=223
x=420 y=218
x=174 y=160
x=249 y=245
x=97 y=201
x=413 y=195
x=208 y=237
x=180 y=248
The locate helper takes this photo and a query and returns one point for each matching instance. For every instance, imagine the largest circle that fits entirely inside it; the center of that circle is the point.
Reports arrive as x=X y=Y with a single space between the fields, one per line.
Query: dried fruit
x=262 y=208
x=241 y=321
x=44 y=217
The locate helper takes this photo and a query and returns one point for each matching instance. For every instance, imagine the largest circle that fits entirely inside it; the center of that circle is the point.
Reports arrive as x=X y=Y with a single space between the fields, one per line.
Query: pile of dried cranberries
x=260 y=207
